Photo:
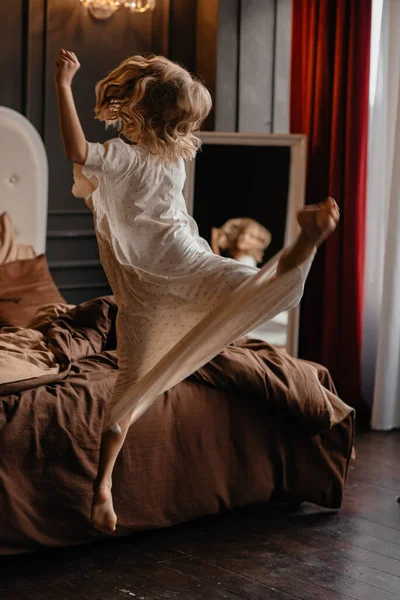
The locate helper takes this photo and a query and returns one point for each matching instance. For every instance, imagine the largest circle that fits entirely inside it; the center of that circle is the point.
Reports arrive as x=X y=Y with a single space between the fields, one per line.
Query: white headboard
x=23 y=178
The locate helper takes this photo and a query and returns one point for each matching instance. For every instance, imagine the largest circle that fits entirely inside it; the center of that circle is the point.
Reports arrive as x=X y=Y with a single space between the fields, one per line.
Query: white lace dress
x=179 y=303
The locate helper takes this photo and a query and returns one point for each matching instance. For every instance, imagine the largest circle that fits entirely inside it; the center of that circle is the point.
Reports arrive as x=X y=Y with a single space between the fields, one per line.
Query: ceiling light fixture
x=104 y=9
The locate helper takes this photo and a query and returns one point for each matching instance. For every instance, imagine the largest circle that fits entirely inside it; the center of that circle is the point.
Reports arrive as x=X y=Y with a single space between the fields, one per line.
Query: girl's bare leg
x=103 y=516
x=317 y=222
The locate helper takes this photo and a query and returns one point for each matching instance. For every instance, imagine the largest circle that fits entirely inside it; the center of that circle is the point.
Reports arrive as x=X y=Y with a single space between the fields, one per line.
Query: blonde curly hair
x=156 y=103
x=229 y=233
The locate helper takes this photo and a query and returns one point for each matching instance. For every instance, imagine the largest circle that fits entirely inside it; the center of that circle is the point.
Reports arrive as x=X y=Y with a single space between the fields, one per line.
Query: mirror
x=250 y=185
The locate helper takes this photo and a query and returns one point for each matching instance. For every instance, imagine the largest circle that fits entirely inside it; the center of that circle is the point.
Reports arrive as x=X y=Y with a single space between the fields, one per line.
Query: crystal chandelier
x=103 y=9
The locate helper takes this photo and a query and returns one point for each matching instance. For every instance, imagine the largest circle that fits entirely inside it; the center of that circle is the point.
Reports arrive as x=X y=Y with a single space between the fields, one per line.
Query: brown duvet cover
x=253 y=425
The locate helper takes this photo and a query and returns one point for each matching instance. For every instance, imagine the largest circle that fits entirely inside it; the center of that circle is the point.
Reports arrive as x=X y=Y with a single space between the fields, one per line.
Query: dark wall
x=213 y=38
x=11 y=54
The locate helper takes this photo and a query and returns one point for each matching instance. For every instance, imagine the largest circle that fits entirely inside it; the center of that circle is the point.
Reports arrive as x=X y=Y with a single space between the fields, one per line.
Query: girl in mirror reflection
x=243 y=239
x=179 y=304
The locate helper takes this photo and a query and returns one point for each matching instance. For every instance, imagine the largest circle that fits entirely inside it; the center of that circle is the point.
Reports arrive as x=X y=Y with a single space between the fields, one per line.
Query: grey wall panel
x=226 y=88
x=282 y=63
x=67 y=273
x=34 y=108
x=160 y=24
x=71 y=245
x=256 y=68
x=70 y=220
x=182 y=33
x=12 y=67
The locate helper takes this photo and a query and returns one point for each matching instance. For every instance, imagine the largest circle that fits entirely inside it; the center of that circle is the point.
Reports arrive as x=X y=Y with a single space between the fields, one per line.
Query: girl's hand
x=67 y=66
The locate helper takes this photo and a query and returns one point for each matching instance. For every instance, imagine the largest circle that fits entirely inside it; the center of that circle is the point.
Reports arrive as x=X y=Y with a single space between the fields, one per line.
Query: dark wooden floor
x=253 y=554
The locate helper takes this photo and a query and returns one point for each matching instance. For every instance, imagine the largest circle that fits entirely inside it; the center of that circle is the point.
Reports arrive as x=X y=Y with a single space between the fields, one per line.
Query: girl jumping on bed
x=179 y=304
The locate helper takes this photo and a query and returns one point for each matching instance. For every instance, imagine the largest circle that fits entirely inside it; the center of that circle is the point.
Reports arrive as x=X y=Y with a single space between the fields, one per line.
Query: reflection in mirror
x=246 y=241
x=241 y=193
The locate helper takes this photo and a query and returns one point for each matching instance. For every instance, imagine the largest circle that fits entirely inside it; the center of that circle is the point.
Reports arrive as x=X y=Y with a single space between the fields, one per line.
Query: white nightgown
x=179 y=304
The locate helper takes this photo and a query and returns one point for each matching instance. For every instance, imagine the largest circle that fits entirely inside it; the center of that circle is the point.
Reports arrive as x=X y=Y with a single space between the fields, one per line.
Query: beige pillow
x=25 y=286
x=10 y=250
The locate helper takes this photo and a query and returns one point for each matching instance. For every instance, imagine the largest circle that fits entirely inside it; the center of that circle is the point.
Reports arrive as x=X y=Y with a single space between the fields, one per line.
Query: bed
x=253 y=425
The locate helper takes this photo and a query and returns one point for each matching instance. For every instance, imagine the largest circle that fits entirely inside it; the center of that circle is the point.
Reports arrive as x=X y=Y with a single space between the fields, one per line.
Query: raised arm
x=71 y=129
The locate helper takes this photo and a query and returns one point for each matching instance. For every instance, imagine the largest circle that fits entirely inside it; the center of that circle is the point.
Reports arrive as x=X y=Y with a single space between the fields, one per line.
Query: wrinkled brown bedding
x=253 y=425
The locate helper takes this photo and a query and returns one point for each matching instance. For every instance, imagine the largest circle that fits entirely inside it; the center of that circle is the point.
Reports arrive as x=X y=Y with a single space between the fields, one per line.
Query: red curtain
x=329 y=103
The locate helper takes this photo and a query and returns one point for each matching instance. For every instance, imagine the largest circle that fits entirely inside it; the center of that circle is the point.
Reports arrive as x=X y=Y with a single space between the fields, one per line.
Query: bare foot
x=103 y=516
x=318 y=221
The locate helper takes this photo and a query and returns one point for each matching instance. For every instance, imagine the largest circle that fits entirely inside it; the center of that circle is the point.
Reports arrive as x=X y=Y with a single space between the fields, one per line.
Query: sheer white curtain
x=381 y=333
